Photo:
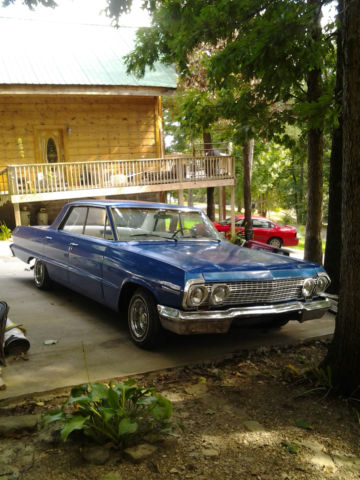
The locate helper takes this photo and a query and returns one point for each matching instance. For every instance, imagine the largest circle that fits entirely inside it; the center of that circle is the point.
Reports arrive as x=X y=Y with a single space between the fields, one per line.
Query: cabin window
x=51 y=151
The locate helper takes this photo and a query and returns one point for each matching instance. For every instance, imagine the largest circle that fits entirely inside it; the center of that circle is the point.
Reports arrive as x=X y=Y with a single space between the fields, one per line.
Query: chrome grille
x=245 y=293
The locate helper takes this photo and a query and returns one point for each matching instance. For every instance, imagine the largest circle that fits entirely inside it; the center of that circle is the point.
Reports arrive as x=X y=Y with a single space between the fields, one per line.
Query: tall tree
x=313 y=243
x=344 y=352
x=334 y=230
x=274 y=47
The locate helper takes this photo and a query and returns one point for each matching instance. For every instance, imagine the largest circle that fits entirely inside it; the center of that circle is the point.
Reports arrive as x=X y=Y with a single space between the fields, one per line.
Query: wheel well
x=127 y=292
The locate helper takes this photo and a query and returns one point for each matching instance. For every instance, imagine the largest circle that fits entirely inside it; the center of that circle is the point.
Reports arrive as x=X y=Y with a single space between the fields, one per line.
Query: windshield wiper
x=151 y=235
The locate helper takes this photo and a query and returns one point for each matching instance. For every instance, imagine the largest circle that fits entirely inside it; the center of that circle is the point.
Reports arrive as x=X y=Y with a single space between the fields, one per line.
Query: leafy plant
x=321 y=377
x=122 y=413
x=303 y=424
x=291 y=447
x=5 y=232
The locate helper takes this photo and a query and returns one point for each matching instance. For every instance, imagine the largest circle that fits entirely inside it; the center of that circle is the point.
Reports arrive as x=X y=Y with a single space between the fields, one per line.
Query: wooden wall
x=93 y=127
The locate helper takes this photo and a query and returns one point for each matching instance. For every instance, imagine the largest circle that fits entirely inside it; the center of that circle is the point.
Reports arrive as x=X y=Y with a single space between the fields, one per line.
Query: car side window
x=97 y=224
x=75 y=221
x=239 y=223
x=257 y=223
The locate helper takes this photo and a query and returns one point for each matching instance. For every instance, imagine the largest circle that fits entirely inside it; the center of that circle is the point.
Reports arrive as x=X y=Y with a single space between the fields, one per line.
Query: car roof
x=133 y=204
x=240 y=217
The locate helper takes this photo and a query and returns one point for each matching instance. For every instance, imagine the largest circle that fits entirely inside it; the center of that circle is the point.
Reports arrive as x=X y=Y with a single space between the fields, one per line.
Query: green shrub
x=122 y=413
x=287 y=219
x=5 y=232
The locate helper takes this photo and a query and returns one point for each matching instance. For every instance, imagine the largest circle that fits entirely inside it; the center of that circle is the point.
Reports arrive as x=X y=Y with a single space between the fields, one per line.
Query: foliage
x=291 y=447
x=303 y=424
x=32 y=3
x=122 y=413
x=317 y=378
x=5 y=232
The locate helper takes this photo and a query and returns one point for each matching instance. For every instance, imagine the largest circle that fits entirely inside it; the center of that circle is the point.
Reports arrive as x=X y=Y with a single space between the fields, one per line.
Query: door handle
x=74 y=244
x=48 y=238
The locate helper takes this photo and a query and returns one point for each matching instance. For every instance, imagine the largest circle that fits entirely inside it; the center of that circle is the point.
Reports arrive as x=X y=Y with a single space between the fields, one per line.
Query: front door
x=50 y=146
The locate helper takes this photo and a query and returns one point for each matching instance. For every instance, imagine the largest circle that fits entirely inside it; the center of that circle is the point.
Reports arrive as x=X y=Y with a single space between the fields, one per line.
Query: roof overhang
x=141 y=91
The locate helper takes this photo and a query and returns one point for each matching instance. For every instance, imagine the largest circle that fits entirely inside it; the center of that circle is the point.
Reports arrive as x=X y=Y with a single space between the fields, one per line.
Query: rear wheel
x=41 y=276
x=275 y=242
x=143 y=320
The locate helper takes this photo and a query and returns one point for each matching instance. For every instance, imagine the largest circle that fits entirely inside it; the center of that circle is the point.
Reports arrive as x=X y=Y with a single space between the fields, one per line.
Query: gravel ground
x=255 y=416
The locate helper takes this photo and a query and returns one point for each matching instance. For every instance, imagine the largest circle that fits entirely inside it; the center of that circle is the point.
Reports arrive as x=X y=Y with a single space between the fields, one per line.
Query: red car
x=265 y=231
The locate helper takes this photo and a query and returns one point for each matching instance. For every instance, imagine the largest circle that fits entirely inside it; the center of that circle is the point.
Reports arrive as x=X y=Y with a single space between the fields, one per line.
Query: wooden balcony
x=54 y=181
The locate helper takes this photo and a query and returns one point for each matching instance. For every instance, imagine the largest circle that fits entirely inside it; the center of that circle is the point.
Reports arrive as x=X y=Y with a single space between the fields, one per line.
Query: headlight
x=322 y=283
x=197 y=295
x=308 y=287
x=219 y=294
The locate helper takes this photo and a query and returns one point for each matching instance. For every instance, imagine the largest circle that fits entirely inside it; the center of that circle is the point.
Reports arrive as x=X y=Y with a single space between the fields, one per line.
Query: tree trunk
x=247 y=164
x=333 y=236
x=302 y=218
x=210 y=191
x=313 y=244
x=344 y=352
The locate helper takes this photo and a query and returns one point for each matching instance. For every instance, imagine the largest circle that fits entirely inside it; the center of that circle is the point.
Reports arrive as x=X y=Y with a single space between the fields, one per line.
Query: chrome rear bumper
x=219 y=321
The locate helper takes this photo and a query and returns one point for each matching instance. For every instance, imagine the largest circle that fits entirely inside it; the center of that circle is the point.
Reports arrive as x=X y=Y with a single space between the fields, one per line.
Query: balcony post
x=17 y=215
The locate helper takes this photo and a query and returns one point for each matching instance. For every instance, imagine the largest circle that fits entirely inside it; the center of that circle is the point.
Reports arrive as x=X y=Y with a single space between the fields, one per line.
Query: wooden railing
x=60 y=177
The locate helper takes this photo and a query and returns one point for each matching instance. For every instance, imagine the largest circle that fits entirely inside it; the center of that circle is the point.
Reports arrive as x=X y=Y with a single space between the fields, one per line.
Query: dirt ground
x=254 y=416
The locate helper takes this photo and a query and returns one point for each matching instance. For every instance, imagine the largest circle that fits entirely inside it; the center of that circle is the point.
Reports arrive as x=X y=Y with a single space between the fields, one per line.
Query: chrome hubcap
x=275 y=243
x=139 y=318
x=39 y=273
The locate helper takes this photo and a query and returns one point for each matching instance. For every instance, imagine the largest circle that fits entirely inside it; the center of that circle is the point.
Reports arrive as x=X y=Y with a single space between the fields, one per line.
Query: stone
x=253 y=426
x=18 y=423
x=112 y=476
x=197 y=389
x=313 y=445
x=96 y=455
x=140 y=452
x=210 y=452
x=323 y=460
x=346 y=461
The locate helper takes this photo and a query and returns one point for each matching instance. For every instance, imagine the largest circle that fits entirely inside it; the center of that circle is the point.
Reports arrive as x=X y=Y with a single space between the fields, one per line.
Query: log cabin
x=75 y=124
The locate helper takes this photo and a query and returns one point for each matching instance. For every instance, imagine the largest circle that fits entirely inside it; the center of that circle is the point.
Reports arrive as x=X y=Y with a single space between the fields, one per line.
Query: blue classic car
x=169 y=269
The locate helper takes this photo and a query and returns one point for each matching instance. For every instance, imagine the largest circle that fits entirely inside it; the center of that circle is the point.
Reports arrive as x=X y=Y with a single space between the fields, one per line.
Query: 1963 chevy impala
x=168 y=268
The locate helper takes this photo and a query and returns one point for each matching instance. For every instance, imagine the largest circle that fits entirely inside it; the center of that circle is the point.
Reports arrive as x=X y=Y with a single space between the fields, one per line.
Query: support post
x=181 y=197
x=190 y=198
x=17 y=214
x=220 y=197
x=232 y=199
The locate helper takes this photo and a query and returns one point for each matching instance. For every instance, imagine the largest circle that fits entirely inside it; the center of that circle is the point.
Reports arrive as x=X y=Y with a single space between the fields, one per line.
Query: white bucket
x=42 y=217
x=15 y=341
x=25 y=217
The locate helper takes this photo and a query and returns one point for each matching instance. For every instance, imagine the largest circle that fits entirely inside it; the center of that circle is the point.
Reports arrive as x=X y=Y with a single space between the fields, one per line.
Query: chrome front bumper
x=219 y=321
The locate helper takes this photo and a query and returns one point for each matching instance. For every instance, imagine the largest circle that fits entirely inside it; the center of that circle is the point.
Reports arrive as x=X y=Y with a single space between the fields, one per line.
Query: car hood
x=224 y=261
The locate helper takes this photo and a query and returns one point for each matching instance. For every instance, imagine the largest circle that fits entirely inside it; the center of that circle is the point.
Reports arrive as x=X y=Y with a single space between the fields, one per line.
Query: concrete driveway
x=93 y=340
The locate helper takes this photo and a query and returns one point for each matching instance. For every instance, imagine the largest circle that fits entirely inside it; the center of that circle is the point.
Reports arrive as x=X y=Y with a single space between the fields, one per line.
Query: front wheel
x=143 y=320
x=41 y=276
x=275 y=242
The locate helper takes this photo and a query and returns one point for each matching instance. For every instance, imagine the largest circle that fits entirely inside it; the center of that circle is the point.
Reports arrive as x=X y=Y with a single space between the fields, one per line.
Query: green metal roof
x=40 y=53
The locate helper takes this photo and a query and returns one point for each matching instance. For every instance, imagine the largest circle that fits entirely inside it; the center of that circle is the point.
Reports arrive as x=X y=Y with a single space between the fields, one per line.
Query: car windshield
x=134 y=224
